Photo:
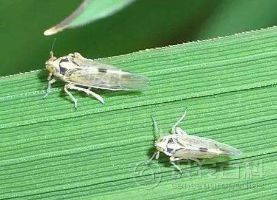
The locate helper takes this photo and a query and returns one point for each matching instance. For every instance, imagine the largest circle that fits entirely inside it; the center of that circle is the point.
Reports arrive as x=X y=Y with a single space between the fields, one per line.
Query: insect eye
x=50 y=68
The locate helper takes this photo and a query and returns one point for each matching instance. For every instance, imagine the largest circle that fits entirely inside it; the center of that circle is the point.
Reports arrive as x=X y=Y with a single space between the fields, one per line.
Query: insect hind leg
x=173 y=160
x=66 y=87
x=196 y=160
x=87 y=91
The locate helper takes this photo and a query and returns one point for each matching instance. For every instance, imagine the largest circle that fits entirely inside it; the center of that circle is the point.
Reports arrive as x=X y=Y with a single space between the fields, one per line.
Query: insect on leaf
x=89 y=11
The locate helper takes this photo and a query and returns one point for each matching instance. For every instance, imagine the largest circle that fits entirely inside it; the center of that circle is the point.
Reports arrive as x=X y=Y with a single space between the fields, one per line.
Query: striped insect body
x=181 y=146
x=83 y=74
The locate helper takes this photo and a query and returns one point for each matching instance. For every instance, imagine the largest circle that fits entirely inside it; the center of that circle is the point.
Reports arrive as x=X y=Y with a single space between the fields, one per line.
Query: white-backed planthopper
x=83 y=74
x=181 y=146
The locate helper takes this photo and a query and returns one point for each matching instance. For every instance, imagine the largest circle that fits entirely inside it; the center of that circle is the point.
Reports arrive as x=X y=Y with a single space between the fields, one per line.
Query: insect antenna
x=156 y=132
x=156 y=135
x=173 y=130
x=52 y=48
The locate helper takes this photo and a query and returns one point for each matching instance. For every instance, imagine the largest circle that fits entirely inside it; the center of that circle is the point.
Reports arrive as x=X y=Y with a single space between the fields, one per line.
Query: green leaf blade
x=99 y=9
x=89 y=11
x=227 y=85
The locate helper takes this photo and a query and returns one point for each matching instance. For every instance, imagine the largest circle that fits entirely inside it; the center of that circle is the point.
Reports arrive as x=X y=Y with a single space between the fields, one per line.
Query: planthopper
x=180 y=146
x=84 y=74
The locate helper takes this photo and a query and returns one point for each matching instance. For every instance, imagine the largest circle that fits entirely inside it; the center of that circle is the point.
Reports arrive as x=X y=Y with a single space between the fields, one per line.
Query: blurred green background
x=144 y=24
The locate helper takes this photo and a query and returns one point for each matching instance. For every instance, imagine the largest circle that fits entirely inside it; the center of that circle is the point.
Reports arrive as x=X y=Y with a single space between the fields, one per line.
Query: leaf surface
x=227 y=86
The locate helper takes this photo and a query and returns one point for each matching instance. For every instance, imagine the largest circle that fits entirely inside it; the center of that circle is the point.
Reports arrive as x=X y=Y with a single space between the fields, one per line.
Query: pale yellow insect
x=181 y=146
x=83 y=74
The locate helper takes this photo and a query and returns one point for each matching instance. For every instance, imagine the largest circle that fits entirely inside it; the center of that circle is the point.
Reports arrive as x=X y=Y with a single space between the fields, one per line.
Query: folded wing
x=103 y=76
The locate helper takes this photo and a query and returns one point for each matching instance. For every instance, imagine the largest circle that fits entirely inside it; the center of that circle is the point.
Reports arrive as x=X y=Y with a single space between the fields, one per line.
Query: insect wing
x=93 y=74
x=89 y=63
x=200 y=147
x=227 y=150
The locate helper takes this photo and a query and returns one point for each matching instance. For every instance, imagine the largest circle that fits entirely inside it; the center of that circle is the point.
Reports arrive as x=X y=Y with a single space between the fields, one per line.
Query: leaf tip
x=52 y=31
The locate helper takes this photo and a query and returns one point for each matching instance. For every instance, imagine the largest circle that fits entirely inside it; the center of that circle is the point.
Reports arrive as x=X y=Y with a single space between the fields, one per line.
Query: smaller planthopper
x=181 y=146
x=82 y=74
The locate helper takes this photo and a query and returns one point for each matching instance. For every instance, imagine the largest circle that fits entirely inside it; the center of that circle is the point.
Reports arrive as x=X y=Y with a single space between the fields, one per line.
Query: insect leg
x=157 y=155
x=50 y=82
x=153 y=156
x=196 y=160
x=173 y=130
x=66 y=87
x=172 y=161
x=87 y=91
x=49 y=76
